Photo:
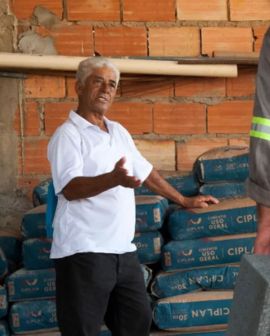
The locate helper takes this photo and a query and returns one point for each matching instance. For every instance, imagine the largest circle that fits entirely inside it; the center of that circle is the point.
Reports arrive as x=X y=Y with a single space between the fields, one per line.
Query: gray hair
x=87 y=66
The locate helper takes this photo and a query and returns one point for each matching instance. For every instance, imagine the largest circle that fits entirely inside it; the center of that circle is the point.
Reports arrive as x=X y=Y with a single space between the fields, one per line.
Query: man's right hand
x=120 y=174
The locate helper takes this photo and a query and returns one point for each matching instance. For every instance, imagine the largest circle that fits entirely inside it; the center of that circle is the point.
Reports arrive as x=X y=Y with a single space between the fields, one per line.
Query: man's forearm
x=262 y=243
x=160 y=186
x=84 y=187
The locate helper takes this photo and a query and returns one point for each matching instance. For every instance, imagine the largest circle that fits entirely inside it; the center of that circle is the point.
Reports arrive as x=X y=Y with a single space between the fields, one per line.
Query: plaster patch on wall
x=6 y=32
x=44 y=17
x=32 y=43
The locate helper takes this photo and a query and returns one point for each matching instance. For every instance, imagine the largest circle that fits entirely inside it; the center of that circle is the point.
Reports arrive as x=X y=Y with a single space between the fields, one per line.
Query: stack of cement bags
x=150 y=214
x=31 y=289
x=10 y=259
x=201 y=262
x=223 y=171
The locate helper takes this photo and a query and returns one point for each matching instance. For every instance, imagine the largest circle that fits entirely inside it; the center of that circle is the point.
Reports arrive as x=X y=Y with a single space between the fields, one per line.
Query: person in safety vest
x=258 y=183
x=95 y=168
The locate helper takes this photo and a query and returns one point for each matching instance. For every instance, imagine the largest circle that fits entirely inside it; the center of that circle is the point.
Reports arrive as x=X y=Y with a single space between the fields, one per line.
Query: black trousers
x=96 y=287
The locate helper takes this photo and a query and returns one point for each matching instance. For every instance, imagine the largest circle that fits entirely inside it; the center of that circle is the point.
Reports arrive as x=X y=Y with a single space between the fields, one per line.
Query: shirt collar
x=83 y=123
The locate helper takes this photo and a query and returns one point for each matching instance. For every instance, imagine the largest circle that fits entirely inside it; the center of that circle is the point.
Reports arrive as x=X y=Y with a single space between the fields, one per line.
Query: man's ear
x=78 y=88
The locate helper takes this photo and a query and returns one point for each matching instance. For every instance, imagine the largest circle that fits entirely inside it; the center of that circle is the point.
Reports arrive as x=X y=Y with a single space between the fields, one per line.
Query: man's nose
x=105 y=87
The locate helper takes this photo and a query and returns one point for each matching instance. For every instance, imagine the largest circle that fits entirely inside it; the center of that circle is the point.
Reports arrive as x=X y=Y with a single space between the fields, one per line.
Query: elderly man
x=95 y=168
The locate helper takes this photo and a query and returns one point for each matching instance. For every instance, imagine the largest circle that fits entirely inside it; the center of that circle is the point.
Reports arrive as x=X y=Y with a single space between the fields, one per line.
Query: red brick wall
x=173 y=120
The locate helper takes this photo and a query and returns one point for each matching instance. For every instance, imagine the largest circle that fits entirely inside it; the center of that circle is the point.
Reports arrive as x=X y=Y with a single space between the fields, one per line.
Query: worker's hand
x=120 y=174
x=201 y=201
x=262 y=242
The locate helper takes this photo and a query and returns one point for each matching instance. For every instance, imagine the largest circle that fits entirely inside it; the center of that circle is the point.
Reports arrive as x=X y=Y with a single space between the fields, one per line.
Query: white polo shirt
x=106 y=222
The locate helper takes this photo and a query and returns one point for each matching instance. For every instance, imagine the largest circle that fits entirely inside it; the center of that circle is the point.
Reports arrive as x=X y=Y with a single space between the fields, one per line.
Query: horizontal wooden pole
x=125 y=65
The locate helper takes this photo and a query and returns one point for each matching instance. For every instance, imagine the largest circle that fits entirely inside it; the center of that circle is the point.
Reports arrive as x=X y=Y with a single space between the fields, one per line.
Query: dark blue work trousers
x=96 y=287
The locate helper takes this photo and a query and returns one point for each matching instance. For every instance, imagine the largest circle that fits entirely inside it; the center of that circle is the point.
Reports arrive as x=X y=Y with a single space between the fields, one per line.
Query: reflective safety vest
x=260 y=128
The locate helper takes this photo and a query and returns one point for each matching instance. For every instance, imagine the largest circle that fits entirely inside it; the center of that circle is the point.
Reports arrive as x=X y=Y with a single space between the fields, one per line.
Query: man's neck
x=94 y=118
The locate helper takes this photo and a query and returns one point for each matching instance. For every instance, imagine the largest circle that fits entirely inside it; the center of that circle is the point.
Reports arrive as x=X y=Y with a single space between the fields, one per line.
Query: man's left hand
x=201 y=201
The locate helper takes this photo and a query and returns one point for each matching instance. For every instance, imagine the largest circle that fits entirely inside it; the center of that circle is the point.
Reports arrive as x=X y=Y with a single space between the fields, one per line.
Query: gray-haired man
x=95 y=168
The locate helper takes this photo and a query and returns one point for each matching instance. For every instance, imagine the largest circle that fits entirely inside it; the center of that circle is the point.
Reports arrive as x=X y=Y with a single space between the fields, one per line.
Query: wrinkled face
x=98 y=91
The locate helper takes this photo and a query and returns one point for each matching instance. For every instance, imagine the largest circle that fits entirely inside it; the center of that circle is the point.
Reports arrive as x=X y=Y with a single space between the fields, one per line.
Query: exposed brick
x=200 y=87
x=23 y=9
x=94 y=10
x=249 y=10
x=35 y=157
x=243 y=85
x=150 y=10
x=188 y=151
x=76 y=40
x=56 y=114
x=31 y=121
x=202 y=10
x=230 y=117
x=228 y=39
x=17 y=121
x=155 y=87
x=161 y=153
x=243 y=141
x=121 y=41
x=259 y=32
x=174 y=41
x=44 y=87
x=179 y=119
x=27 y=184
x=70 y=84
x=136 y=117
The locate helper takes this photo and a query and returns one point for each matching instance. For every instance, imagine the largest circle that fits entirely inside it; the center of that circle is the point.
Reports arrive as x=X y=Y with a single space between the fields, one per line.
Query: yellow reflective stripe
x=261 y=121
x=260 y=135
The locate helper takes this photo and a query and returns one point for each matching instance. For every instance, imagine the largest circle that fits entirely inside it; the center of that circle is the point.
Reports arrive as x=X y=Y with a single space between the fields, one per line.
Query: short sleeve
x=141 y=167
x=64 y=154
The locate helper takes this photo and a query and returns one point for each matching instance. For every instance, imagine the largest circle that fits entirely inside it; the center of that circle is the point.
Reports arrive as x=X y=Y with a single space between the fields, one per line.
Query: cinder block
x=249 y=10
x=228 y=39
x=251 y=305
x=121 y=41
x=230 y=117
x=150 y=10
x=259 y=33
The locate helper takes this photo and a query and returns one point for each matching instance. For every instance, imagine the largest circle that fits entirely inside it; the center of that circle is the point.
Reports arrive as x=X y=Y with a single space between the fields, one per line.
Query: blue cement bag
x=199 y=333
x=3 y=302
x=230 y=216
x=211 y=278
x=150 y=212
x=223 y=190
x=4 y=265
x=193 y=311
x=30 y=316
x=11 y=245
x=223 y=164
x=36 y=254
x=33 y=223
x=204 y=252
x=148 y=246
x=103 y=332
x=4 y=329
x=40 y=193
x=25 y=285
x=187 y=184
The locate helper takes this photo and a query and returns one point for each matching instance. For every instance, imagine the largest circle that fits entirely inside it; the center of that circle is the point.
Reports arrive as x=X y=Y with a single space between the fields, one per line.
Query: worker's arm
x=83 y=187
x=159 y=185
x=262 y=242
